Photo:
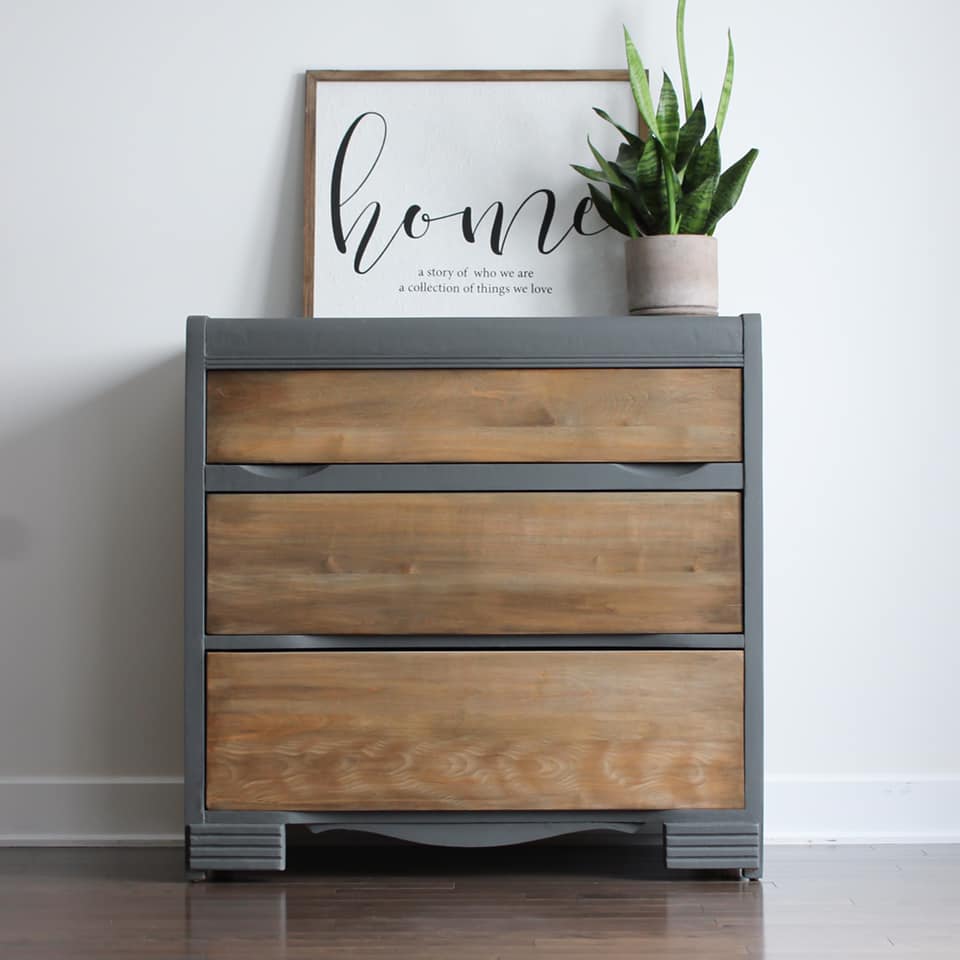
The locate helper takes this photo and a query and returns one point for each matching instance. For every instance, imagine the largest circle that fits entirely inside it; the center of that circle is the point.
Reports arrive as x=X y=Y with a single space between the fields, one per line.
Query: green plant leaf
x=630 y=137
x=640 y=85
x=690 y=136
x=598 y=176
x=622 y=208
x=644 y=217
x=619 y=186
x=611 y=174
x=627 y=172
x=648 y=165
x=590 y=174
x=694 y=208
x=727 y=86
x=605 y=209
x=651 y=188
x=629 y=155
x=729 y=189
x=646 y=221
x=682 y=53
x=704 y=163
x=671 y=186
x=668 y=117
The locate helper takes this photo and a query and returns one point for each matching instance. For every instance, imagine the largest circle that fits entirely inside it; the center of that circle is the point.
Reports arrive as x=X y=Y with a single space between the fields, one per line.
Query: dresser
x=474 y=582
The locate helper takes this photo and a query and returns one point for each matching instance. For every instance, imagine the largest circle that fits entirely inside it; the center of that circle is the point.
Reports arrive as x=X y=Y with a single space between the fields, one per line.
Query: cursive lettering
x=416 y=223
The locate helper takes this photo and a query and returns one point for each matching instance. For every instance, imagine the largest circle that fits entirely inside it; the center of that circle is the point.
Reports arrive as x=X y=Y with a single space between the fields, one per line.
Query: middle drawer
x=474 y=563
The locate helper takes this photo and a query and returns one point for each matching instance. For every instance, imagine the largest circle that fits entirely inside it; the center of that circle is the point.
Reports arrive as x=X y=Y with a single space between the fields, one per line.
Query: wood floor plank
x=526 y=903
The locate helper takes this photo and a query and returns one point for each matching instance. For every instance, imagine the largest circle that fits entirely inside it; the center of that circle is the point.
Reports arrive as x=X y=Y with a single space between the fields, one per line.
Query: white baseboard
x=137 y=811
x=91 y=811
x=825 y=810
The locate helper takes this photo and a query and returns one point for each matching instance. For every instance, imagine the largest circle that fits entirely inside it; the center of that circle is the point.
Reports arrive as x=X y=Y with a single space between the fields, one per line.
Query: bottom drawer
x=475 y=730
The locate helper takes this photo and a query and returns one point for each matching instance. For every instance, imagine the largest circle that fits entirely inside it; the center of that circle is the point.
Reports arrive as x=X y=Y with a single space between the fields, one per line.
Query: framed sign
x=450 y=193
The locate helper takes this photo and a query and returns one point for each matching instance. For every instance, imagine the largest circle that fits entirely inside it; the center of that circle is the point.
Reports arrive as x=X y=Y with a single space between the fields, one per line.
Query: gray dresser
x=474 y=582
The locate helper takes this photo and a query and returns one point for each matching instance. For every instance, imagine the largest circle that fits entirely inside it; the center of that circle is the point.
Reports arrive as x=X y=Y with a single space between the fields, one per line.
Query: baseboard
x=91 y=811
x=147 y=811
x=862 y=810
x=92 y=840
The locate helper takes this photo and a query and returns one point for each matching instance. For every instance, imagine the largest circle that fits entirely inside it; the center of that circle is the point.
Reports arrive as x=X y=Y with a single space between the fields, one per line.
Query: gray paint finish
x=493 y=342
x=482 y=834
x=720 y=838
x=236 y=847
x=593 y=641
x=753 y=573
x=478 y=477
x=717 y=845
x=194 y=596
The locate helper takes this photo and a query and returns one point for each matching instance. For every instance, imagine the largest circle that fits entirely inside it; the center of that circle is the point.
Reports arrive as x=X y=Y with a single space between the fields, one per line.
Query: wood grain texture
x=818 y=902
x=475 y=730
x=472 y=76
x=309 y=191
x=392 y=416
x=474 y=563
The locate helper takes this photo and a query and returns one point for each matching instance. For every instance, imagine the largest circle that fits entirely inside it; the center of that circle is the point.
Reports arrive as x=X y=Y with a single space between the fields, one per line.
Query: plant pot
x=672 y=275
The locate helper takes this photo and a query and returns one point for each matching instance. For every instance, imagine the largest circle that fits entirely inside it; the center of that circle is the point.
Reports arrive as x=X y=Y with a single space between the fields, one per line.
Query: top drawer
x=451 y=416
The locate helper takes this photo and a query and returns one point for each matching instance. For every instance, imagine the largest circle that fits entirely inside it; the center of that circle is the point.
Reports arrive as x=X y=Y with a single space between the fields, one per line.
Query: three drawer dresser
x=474 y=582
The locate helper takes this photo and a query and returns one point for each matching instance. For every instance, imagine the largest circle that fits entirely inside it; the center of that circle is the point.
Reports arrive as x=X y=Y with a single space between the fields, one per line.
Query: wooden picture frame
x=475 y=169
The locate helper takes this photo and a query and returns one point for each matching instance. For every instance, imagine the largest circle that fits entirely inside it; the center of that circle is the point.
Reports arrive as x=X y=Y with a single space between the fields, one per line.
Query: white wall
x=151 y=168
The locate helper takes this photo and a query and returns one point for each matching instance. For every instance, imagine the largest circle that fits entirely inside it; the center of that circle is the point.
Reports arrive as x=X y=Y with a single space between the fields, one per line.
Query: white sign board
x=451 y=194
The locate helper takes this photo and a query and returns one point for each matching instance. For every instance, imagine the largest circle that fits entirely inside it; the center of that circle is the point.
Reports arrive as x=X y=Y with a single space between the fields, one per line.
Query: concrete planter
x=672 y=275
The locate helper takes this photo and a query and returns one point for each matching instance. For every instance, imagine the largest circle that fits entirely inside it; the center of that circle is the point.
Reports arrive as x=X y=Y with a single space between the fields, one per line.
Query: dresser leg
x=232 y=846
x=731 y=845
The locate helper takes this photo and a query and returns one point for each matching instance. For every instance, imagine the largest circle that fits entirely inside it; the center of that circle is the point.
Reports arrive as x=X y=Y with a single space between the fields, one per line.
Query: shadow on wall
x=280 y=225
x=91 y=583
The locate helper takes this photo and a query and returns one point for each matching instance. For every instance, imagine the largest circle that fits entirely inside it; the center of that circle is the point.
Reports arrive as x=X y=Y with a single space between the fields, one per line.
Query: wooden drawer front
x=390 y=416
x=474 y=563
x=545 y=730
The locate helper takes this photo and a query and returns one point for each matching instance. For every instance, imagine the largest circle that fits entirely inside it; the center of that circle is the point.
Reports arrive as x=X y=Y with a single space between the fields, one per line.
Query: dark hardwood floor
x=816 y=902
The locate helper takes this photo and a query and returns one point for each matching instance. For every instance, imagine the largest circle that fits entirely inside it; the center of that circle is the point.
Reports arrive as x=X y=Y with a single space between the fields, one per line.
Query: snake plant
x=670 y=180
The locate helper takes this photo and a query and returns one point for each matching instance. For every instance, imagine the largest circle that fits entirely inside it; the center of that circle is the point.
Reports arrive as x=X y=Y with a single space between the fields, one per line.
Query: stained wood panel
x=477 y=730
x=474 y=563
x=391 y=416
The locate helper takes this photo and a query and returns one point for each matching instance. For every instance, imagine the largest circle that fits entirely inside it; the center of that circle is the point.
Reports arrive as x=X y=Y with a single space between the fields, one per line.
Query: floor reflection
x=519 y=902
x=423 y=902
